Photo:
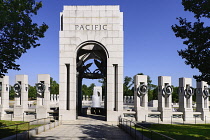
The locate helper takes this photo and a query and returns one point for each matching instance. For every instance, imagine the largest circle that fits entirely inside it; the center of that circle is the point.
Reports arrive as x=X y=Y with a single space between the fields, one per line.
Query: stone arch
x=84 y=52
x=92 y=42
x=75 y=45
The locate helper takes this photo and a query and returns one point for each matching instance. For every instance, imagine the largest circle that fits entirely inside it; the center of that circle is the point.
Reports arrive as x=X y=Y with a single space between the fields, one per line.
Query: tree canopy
x=54 y=86
x=127 y=85
x=87 y=90
x=17 y=31
x=196 y=36
x=32 y=92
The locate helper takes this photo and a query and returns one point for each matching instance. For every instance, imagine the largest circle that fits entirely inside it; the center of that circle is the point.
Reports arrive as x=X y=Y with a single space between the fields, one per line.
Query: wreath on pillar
x=167 y=90
x=142 y=89
x=40 y=88
x=17 y=88
x=206 y=92
x=189 y=91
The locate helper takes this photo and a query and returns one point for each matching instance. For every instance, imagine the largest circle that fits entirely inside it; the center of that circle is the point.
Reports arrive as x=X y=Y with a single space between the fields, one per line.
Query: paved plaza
x=85 y=128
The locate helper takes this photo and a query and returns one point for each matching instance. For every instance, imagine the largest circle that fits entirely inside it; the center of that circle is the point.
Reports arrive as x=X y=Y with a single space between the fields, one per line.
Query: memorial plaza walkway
x=85 y=128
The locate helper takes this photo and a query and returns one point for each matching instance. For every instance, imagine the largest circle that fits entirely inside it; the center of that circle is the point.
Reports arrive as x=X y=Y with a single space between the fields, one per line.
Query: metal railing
x=142 y=133
x=24 y=128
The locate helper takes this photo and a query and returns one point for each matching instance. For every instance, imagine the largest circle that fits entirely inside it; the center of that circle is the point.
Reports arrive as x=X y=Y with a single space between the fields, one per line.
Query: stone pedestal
x=202 y=99
x=43 y=98
x=41 y=112
x=4 y=95
x=140 y=97
x=164 y=97
x=21 y=97
x=185 y=98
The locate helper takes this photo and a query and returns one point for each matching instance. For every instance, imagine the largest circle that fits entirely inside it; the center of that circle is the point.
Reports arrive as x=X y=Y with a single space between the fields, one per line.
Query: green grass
x=11 y=130
x=186 y=131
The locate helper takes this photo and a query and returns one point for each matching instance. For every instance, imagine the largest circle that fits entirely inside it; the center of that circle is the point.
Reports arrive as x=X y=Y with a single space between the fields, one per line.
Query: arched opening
x=91 y=64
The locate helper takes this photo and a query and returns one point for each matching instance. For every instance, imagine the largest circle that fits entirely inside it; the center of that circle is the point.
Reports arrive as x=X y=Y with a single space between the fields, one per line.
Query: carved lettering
x=76 y=27
x=96 y=27
x=104 y=27
x=81 y=27
x=87 y=27
x=91 y=27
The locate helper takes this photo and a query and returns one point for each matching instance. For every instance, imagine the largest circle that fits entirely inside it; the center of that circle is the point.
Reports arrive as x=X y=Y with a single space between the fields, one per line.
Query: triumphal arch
x=90 y=33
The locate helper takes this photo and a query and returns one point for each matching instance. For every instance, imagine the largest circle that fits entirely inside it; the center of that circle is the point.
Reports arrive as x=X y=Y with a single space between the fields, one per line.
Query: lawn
x=11 y=130
x=186 y=131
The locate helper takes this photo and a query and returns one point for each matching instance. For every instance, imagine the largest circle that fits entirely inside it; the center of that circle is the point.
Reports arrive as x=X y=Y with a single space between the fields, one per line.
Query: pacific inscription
x=91 y=27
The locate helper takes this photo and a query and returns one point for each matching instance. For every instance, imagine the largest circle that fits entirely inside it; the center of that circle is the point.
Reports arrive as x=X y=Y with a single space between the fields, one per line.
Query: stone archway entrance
x=98 y=53
x=90 y=32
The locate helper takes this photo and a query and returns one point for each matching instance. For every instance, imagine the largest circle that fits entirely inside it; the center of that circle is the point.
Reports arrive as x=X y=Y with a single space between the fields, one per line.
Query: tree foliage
x=87 y=90
x=175 y=95
x=196 y=36
x=127 y=85
x=11 y=93
x=32 y=92
x=17 y=31
x=54 y=86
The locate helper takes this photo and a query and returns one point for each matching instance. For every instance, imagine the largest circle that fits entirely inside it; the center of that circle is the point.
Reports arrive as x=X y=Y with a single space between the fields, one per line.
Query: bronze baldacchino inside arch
x=92 y=50
x=86 y=51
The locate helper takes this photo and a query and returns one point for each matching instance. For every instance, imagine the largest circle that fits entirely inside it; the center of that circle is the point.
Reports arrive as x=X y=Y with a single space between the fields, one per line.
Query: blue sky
x=150 y=45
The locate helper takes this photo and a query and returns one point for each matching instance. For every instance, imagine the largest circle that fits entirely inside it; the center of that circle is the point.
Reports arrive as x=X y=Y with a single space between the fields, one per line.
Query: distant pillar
x=21 y=95
x=164 y=97
x=55 y=97
x=140 y=97
x=98 y=90
x=132 y=99
x=58 y=98
x=202 y=99
x=185 y=98
x=83 y=98
x=43 y=96
x=4 y=95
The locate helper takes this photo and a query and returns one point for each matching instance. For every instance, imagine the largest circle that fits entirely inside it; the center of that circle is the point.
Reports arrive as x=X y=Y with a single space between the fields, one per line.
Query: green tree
x=127 y=85
x=154 y=93
x=90 y=88
x=54 y=86
x=196 y=37
x=32 y=92
x=101 y=81
x=175 y=94
x=87 y=90
x=11 y=93
x=17 y=31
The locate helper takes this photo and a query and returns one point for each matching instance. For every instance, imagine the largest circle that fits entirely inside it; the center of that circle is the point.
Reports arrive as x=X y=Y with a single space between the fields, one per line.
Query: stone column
x=57 y=98
x=185 y=98
x=98 y=89
x=43 y=96
x=202 y=99
x=4 y=95
x=21 y=97
x=164 y=97
x=140 y=97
